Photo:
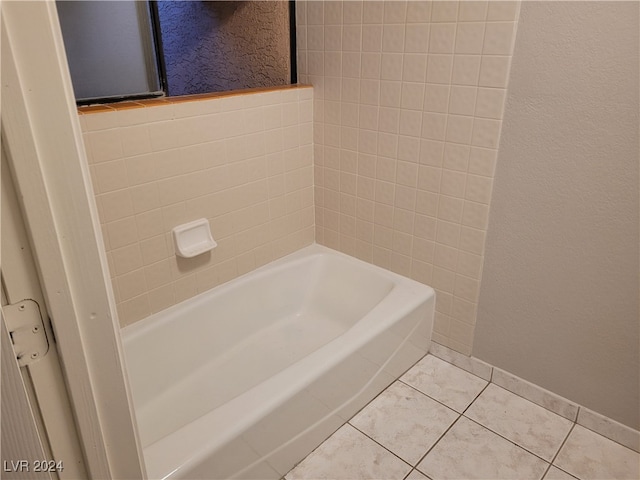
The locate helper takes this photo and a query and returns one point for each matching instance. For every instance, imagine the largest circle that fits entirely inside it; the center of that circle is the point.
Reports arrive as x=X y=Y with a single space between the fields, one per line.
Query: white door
x=50 y=175
x=42 y=375
x=22 y=446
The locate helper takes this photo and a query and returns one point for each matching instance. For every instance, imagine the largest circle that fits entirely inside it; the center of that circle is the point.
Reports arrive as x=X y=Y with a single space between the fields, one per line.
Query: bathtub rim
x=132 y=331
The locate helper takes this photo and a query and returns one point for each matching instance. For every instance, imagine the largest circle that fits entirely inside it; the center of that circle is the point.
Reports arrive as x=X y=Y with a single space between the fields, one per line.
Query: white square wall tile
x=315 y=13
x=405 y=421
x=486 y=132
x=498 y=38
x=444 y=11
x=414 y=68
x=395 y=12
x=462 y=100
x=372 y=12
x=442 y=38
x=110 y=176
x=412 y=97
x=410 y=122
x=472 y=240
x=475 y=215
x=460 y=129
x=453 y=183
x=470 y=451
x=351 y=12
x=393 y=38
x=333 y=37
x=333 y=13
x=390 y=94
x=482 y=161
x=472 y=11
x=349 y=455
x=479 y=189
x=418 y=11
x=450 y=209
x=104 y=145
x=590 y=456
x=417 y=38
x=391 y=66
x=490 y=102
x=445 y=383
x=436 y=98
x=434 y=126
x=523 y=422
x=469 y=38
x=372 y=38
x=494 y=71
x=439 y=68
x=466 y=69
x=507 y=10
x=456 y=157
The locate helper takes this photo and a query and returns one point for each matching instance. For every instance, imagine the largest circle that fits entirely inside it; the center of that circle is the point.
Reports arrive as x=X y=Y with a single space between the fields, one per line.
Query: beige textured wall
x=407 y=115
x=559 y=296
x=243 y=161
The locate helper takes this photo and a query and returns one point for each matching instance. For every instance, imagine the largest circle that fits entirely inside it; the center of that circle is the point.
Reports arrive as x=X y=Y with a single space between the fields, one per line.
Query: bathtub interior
x=195 y=357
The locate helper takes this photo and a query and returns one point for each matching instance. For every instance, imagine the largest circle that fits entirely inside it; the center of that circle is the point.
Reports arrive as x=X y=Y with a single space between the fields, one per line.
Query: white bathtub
x=245 y=380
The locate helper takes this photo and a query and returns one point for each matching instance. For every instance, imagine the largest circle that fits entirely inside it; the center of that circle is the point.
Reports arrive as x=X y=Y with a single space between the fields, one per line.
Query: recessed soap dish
x=193 y=238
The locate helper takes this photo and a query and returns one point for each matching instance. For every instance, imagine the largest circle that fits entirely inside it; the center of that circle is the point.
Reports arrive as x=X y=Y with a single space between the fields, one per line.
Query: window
x=110 y=49
x=137 y=49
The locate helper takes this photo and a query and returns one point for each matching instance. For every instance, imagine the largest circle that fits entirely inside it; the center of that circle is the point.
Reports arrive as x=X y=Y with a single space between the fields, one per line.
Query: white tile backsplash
x=163 y=164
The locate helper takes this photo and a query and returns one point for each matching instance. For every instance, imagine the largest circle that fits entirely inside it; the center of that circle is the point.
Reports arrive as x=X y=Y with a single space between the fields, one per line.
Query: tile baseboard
x=596 y=422
x=609 y=428
x=470 y=364
x=538 y=395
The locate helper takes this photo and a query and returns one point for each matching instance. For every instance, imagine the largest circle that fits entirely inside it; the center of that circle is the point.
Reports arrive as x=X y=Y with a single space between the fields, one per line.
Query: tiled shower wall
x=242 y=161
x=408 y=101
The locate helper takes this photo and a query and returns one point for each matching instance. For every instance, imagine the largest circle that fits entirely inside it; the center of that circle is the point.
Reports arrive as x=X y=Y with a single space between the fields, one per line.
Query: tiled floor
x=441 y=422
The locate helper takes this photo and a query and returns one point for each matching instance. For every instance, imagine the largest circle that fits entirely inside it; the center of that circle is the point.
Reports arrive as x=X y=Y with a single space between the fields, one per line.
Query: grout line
x=430 y=397
x=536 y=387
x=435 y=399
x=560 y=448
x=546 y=471
x=381 y=445
x=388 y=386
x=507 y=439
x=476 y=397
x=438 y=441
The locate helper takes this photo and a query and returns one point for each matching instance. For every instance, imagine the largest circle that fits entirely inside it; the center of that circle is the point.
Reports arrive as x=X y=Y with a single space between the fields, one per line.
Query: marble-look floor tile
x=470 y=451
x=555 y=473
x=405 y=421
x=416 y=475
x=349 y=455
x=523 y=422
x=590 y=456
x=444 y=382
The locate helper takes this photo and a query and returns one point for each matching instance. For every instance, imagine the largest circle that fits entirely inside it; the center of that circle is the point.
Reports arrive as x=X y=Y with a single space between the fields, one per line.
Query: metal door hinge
x=26 y=329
